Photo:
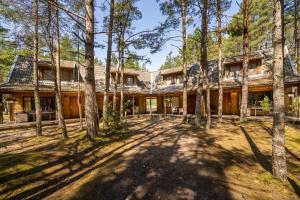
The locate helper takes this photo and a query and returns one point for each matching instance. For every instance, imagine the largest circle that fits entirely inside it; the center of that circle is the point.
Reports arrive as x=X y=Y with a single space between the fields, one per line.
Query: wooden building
x=147 y=92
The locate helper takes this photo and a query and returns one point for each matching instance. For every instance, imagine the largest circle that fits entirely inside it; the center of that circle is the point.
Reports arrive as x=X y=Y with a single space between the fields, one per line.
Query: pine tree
x=108 y=64
x=58 y=97
x=38 y=109
x=278 y=138
x=91 y=108
x=244 y=104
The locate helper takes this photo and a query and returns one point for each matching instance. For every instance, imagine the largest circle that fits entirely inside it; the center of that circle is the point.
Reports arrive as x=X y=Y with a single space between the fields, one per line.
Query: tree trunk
x=204 y=64
x=184 y=62
x=122 y=78
x=78 y=82
x=220 y=68
x=91 y=108
x=108 y=65
x=116 y=82
x=1 y=109
x=199 y=98
x=244 y=103
x=278 y=139
x=296 y=36
x=61 y=119
x=38 y=109
x=79 y=96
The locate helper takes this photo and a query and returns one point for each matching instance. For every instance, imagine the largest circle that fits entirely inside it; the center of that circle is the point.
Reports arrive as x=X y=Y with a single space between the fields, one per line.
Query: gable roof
x=21 y=76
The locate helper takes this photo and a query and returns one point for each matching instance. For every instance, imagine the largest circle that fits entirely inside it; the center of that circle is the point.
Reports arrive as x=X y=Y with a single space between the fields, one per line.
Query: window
x=129 y=81
x=65 y=75
x=179 y=78
x=47 y=104
x=255 y=97
x=151 y=104
x=254 y=69
x=235 y=71
x=169 y=102
x=28 y=104
x=48 y=75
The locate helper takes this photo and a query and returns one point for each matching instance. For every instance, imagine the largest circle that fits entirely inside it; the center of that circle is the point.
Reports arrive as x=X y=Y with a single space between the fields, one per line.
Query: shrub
x=294 y=106
x=266 y=105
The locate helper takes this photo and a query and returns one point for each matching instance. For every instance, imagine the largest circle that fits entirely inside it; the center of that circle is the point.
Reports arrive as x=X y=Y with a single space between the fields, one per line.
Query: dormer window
x=129 y=81
x=179 y=78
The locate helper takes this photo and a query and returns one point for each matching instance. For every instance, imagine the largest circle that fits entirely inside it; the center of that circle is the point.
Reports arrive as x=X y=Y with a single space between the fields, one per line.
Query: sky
x=152 y=17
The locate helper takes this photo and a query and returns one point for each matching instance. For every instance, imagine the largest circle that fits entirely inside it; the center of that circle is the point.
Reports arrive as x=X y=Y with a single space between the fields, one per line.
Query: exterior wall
x=191 y=103
x=214 y=98
x=160 y=108
x=142 y=105
x=231 y=101
x=69 y=101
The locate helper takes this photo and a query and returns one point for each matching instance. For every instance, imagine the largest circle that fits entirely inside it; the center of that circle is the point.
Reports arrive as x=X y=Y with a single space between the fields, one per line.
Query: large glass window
x=255 y=97
x=169 y=102
x=28 y=104
x=47 y=104
x=151 y=104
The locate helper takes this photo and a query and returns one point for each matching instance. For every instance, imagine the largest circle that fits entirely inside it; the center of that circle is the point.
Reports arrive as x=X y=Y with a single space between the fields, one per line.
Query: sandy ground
x=155 y=159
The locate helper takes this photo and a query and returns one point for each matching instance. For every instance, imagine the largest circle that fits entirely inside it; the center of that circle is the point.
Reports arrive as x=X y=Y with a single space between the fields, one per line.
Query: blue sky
x=151 y=17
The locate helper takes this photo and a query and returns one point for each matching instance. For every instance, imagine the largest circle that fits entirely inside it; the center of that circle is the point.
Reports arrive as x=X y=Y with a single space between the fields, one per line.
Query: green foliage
x=113 y=118
x=171 y=61
x=67 y=50
x=294 y=107
x=98 y=61
x=8 y=52
x=266 y=105
x=132 y=62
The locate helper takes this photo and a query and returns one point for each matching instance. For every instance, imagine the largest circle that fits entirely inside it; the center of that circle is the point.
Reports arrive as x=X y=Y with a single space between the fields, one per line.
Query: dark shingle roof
x=20 y=78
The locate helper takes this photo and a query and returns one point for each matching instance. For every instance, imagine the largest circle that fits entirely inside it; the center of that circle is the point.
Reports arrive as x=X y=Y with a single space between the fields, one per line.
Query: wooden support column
x=133 y=106
x=1 y=109
x=150 y=105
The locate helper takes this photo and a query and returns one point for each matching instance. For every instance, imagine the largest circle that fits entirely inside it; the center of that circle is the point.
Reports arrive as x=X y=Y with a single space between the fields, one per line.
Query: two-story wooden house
x=148 y=92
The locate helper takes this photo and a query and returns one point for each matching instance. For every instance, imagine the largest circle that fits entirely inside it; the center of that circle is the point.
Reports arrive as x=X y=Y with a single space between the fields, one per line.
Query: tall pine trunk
x=184 y=62
x=122 y=80
x=58 y=97
x=296 y=35
x=204 y=61
x=244 y=103
x=91 y=108
x=78 y=82
x=278 y=139
x=116 y=81
x=220 y=68
x=198 y=105
x=37 y=102
x=108 y=65
x=79 y=97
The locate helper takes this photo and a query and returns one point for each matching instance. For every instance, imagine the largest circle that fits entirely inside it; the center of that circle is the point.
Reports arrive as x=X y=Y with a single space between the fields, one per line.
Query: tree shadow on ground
x=64 y=170
x=176 y=165
x=265 y=160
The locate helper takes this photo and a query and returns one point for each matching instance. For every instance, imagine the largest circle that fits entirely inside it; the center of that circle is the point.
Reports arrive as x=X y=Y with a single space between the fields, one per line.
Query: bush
x=294 y=107
x=113 y=118
x=265 y=104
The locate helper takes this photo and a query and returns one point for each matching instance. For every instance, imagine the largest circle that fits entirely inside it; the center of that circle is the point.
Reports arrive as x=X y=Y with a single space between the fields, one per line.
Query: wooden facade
x=139 y=86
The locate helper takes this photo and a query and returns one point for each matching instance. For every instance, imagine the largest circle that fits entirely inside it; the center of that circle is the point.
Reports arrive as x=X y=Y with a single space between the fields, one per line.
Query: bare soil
x=154 y=159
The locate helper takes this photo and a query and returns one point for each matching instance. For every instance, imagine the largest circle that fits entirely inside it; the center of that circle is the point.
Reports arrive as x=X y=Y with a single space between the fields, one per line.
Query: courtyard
x=156 y=158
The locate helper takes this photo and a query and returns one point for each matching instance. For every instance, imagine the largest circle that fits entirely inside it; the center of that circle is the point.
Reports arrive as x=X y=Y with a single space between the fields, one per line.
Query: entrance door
x=234 y=103
x=226 y=104
x=74 y=107
x=66 y=107
x=231 y=103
